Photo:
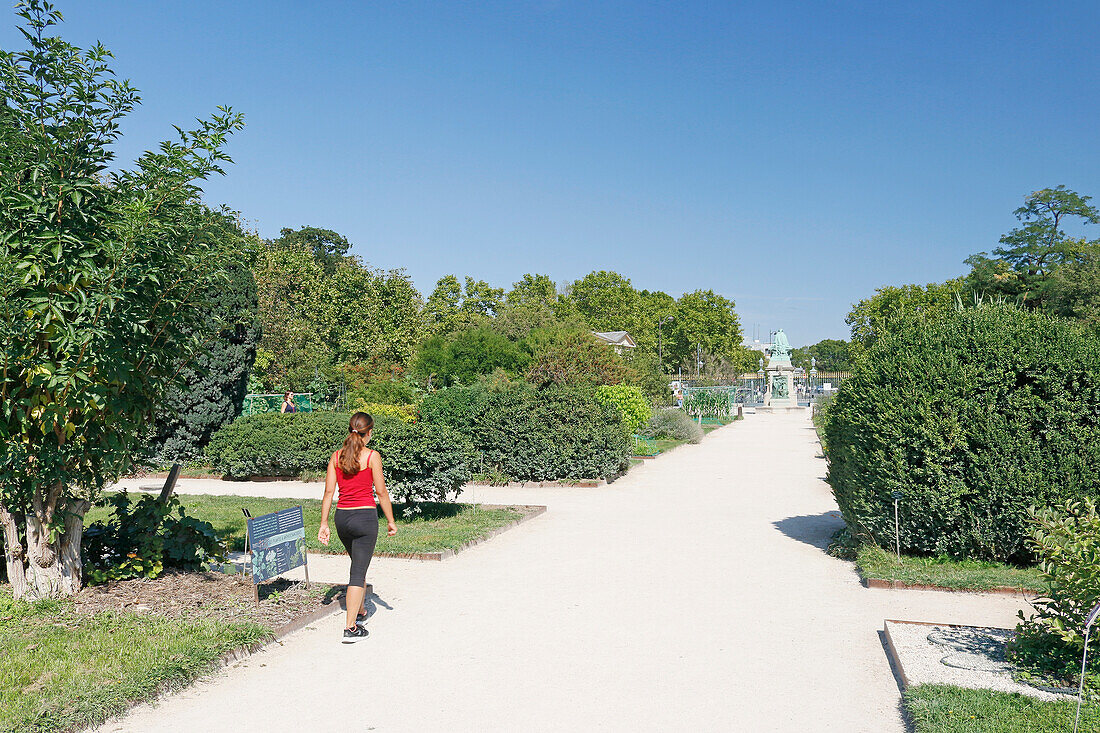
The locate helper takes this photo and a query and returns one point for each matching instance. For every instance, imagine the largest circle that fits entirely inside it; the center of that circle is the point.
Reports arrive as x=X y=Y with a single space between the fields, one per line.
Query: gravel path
x=692 y=595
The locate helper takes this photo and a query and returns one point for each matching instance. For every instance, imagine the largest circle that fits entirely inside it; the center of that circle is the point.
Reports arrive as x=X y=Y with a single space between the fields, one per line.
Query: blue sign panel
x=278 y=543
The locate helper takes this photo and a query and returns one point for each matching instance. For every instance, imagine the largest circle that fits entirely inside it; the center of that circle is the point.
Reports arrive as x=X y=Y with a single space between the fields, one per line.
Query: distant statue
x=781 y=349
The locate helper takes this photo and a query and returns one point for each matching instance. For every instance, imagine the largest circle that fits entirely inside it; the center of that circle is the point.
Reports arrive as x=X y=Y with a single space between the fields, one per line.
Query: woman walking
x=357 y=470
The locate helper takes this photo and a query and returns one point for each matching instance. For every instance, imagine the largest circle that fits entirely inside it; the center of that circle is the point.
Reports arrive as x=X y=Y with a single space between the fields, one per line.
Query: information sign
x=278 y=543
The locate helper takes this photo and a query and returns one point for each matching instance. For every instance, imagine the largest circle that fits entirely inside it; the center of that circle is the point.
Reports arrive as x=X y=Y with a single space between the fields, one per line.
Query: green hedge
x=535 y=435
x=976 y=416
x=422 y=463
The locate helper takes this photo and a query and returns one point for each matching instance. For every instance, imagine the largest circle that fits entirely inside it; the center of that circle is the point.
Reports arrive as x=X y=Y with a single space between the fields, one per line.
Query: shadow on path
x=813 y=529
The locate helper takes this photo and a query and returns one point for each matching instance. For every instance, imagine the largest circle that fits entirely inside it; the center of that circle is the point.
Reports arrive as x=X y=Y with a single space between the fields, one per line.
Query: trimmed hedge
x=976 y=417
x=422 y=463
x=535 y=435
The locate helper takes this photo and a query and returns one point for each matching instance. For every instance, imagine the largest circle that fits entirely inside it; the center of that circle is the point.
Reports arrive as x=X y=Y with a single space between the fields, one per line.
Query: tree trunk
x=53 y=569
x=14 y=554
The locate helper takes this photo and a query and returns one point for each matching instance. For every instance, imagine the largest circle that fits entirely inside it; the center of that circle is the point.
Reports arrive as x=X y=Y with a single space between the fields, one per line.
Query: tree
x=313 y=321
x=831 y=355
x=1074 y=289
x=574 y=358
x=462 y=357
x=533 y=289
x=1020 y=268
x=871 y=318
x=327 y=247
x=706 y=320
x=104 y=278
x=606 y=300
x=215 y=383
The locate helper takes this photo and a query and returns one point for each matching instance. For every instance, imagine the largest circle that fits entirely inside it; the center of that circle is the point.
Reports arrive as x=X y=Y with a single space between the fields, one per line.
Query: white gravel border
x=919 y=661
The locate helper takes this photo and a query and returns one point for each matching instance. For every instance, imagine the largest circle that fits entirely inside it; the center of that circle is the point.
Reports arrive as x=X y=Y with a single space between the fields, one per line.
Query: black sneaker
x=361 y=620
x=353 y=635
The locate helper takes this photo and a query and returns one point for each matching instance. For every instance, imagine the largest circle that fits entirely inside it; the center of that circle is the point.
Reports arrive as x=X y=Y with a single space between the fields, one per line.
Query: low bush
x=975 y=416
x=535 y=435
x=672 y=424
x=631 y=403
x=421 y=462
x=143 y=537
x=404 y=413
x=1067 y=541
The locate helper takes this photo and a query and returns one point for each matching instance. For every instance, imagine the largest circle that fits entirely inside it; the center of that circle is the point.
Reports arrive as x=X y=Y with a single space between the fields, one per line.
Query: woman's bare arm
x=323 y=533
x=375 y=463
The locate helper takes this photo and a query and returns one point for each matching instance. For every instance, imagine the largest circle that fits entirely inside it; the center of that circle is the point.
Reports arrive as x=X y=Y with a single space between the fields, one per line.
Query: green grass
x=945 y=709
x=666 y=444
x=976 y=575
x=58 y=676
x=438 y=527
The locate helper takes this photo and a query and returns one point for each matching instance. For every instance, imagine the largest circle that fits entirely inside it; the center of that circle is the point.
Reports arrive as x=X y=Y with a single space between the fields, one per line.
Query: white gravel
x=927 y=656
x=692 y=595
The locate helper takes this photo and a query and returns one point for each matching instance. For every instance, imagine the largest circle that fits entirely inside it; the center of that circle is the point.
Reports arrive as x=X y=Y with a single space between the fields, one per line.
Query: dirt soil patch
x=210 y=595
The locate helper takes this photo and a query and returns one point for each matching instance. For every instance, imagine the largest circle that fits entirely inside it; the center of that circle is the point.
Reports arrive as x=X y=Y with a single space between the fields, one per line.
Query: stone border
x=1001 y=590
x=892 y=651
x=535 y=510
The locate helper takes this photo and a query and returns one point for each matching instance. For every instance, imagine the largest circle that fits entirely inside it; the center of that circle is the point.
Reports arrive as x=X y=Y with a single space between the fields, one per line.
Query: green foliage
x=1066 y=539
x=872 y=318
x=708 y=320
x=534 y=435
x=313 y=321
x=104 y=276
x=462 y=357
x=1021 y=267
x=672 y=423
x=214 y=384
x=710 y=402
x=974 y=416
x=404 y=413
x=420 y=462
x=1073 y=290
x=831 y=355
x=328 y=248
x=450 y=309
x=143 y=538
x=573 y=358
x=630 y=402
x=946 y=709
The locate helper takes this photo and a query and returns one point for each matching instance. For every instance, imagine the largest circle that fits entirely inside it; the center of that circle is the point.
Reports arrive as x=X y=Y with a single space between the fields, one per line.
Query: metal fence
x=255 y=404
x=749 y=389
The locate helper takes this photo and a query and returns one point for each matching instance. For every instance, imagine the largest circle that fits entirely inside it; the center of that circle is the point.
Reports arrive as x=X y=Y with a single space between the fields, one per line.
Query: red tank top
x=357 y=490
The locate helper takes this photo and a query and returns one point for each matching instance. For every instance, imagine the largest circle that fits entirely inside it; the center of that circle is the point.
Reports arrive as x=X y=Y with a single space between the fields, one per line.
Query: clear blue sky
x=791 y=156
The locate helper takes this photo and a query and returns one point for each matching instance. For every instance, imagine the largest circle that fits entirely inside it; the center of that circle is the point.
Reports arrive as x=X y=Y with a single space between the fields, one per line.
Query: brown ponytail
x=358 y=427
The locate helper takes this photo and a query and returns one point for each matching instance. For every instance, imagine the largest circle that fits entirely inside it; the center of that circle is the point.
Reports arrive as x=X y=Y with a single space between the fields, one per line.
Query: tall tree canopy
x=1021 y=267
x=104 y=280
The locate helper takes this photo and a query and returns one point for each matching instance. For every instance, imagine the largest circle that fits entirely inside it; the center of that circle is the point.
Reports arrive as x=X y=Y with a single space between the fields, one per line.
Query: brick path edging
x=1003 y=590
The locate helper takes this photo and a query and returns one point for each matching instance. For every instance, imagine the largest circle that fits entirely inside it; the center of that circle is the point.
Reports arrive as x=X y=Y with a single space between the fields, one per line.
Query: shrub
x=535 y=435
x=975 y=416
x=143 y=538
x=633 y=407
x=711 y=403
x=573 y=359
x=673 y=424
x=215 y=383
x=1067 y=543
x=404 y=413
x=422 y=462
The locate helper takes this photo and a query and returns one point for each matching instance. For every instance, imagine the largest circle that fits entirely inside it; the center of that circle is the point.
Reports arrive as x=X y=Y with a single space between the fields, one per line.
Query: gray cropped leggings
x=358 y=530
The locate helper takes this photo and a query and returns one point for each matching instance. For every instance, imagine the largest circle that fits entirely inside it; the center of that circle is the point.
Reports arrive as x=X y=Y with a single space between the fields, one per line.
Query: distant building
x=617 y=340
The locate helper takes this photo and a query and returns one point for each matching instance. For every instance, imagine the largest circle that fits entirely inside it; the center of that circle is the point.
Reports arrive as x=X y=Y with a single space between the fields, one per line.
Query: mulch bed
x=211 y=595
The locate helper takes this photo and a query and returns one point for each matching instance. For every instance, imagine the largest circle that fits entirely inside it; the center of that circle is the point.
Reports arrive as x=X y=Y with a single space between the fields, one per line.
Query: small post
x=897 y=525
x=1089 y=620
